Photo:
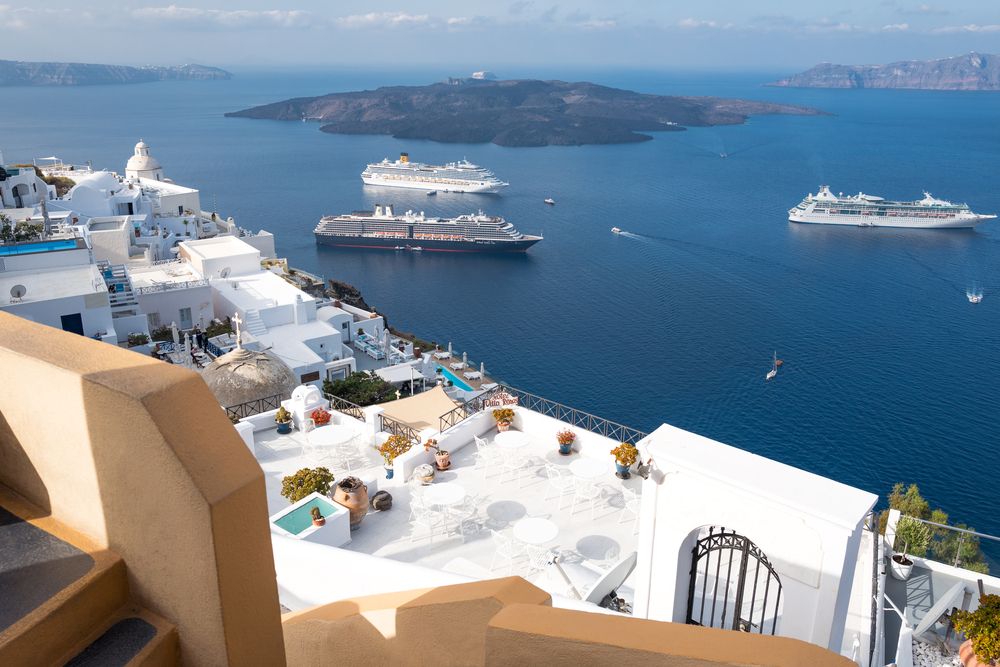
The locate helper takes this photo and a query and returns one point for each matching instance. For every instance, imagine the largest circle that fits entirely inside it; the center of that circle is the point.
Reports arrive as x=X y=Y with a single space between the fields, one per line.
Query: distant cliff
x=19 y=73
x=974 y=71
x=513 y=113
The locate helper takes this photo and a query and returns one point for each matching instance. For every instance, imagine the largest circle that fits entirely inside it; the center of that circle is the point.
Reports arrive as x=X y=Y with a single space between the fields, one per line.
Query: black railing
x=213 y=349
x=396 y=427
x=256 y=407
x=563 y=413
x=345 y=406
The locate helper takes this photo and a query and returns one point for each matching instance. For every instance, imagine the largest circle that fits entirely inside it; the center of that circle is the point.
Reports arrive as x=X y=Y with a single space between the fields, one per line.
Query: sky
x=773 y=35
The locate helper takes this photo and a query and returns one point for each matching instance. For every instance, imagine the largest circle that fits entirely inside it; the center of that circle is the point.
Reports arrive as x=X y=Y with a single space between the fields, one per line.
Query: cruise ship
x=863 y=210
x=462 y=176
x=382 y=228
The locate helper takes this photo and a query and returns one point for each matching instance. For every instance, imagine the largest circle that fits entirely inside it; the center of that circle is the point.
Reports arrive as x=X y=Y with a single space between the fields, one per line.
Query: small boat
x=399 y=247
x=616 y=230
x=432 y=193
x=723 y=155
x=974 y=298
x=774 y=369
x=550 y=201
x=415 y=248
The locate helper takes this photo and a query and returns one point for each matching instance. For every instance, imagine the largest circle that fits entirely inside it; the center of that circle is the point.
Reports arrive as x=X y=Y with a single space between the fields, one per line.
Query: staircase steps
x=254 y=324
x=132 y=637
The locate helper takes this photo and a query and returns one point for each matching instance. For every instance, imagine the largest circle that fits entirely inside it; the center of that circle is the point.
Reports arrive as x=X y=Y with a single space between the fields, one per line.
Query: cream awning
x=421 y=411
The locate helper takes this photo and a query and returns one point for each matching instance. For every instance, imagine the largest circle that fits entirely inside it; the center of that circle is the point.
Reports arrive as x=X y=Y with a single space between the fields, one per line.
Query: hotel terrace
x=140 y=526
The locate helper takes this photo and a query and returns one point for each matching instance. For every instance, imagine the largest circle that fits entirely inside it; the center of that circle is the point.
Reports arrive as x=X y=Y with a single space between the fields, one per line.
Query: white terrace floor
x=591 y=541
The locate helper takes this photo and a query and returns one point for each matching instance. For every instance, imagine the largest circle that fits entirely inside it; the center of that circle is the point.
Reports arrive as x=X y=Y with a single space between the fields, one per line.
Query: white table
x=511 y=439
x=444 y=493
x=535 y=531
x=330 y=435
x=587 y=468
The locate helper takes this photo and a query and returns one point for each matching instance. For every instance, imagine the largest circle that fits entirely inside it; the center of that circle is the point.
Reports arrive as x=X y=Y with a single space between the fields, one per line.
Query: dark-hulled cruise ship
x=381 y=228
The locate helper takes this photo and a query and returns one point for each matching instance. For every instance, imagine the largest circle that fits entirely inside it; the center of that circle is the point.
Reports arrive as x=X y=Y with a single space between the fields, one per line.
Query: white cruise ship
x=462 y=176
x=863 y=210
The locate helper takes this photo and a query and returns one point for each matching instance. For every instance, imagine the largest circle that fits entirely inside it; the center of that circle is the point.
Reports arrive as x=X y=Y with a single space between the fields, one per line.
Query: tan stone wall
x=137 y=455
x=510 y=622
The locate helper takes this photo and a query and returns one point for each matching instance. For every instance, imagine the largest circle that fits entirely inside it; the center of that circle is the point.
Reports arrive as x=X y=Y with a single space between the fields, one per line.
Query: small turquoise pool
x=301 y=518
x=455 y=379
x=41 y=246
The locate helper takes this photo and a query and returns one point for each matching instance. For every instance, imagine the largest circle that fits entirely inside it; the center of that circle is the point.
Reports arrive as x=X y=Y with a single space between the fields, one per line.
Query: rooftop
x=218 y=247
x=54 y=283
x=175 y=274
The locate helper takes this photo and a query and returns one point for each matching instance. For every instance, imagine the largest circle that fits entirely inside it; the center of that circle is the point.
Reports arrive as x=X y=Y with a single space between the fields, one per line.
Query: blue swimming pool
x=455 y=379
x=40 y=246
x=300 y=518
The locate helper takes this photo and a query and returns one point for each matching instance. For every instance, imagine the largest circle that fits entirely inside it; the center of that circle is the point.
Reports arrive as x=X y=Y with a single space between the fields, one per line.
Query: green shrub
x=362 y=388
x=305 y=481
x=982 y=627
x=912 y=537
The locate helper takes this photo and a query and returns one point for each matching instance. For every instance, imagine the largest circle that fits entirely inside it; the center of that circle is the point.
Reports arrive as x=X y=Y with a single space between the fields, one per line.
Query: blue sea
x=890 y=374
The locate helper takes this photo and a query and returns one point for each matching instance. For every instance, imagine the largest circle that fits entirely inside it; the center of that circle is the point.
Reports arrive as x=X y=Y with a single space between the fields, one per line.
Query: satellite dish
x=17 y=291
x=224 y=273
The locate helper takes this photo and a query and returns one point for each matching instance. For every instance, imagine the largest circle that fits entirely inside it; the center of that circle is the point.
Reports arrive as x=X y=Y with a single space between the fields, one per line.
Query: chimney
x=388 y=210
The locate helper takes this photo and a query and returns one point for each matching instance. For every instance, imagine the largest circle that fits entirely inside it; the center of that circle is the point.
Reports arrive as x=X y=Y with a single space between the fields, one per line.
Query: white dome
x=141 y=160
x=99 y=180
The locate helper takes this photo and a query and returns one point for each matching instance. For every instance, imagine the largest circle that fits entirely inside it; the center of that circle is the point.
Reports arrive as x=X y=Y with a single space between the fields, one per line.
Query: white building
x=143 y=165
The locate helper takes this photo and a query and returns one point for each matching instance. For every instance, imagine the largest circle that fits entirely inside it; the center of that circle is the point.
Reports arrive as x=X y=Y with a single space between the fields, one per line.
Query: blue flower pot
x=284 y=428
x=388 y=473
x=566 y=450
x=621 y=471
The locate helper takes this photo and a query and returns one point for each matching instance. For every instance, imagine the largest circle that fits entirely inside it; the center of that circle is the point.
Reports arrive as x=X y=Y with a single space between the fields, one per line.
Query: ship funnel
x=388 y=210
x=404 y=157
x=378 y=210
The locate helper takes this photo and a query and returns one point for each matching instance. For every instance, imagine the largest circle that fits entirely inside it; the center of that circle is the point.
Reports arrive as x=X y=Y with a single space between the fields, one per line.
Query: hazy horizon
x=771 y=35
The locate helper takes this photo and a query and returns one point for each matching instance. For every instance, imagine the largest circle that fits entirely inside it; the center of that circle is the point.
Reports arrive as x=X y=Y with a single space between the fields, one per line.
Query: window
x=185 y=314
x=180 y=210
x=154 y=320
x=310 y=377
x=344 y=325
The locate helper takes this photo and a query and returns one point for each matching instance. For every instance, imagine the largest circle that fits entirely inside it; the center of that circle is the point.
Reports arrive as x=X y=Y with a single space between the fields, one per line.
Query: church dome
x=242 y=375
x=142 y=161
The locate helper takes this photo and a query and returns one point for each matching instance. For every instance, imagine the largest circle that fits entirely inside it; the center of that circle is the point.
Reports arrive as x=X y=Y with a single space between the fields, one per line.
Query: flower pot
x=319 y=522
x=351 y=493
x=900 y=567
x=284 y=428
x=424 y=472
x=442 y=459
x=968 y=656
x=503 y=426
x=566 y=449
x=388 y=472
x=621 y=471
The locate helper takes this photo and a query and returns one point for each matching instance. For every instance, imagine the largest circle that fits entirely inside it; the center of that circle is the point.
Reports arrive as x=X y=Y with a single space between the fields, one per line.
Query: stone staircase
x=66 y=602
x=255 y=325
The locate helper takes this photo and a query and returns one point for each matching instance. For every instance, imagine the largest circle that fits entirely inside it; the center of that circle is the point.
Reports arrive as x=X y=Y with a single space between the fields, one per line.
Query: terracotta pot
x=319 y=522
x=443 y=460
x=351 y=493
x=502 y=426
x=968 y=656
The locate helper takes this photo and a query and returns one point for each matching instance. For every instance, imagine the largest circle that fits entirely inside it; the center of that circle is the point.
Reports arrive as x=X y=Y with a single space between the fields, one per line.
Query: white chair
x=487 y=457
x=505 y=547
x=463 y=517
x=514 y=462
x=416 y=494
x=632 y=503
x=425 y=516
x=585 y=491
x=539 y=558
x=560 y=482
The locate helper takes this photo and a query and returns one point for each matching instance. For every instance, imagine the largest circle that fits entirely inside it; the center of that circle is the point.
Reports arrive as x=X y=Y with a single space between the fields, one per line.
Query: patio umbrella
x=465 y=358
x=449 y=348
x=187 y=349
x=175 y=333
x=482 y=369
x=388 y=347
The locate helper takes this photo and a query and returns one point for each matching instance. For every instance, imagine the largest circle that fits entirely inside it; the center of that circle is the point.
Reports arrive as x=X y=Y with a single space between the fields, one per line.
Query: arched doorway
x=732 y=585
x=20 y=192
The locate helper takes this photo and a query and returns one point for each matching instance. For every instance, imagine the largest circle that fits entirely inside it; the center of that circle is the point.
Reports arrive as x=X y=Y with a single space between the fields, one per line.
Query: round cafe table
x=587 y=468
x=535 y=531
x=444 y=494
x=511 y=439
x=330 y=435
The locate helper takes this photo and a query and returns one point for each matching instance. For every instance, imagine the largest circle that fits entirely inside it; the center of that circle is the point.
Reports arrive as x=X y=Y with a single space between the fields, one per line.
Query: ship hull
x=471 y=187
x=482 y=245
x=886 y=221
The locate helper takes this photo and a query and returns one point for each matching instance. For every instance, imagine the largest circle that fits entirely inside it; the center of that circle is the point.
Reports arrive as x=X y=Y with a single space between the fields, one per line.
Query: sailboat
x=774 y=368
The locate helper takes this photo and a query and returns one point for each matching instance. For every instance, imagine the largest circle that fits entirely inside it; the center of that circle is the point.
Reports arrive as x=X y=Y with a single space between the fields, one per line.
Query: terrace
x=469 y=522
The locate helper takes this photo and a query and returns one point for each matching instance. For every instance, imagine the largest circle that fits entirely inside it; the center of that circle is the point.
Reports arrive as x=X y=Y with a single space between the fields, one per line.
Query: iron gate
x=733 y=585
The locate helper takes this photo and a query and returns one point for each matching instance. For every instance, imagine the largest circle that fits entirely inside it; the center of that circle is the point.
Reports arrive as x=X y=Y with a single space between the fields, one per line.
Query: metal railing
x=250 y=408
x=396 y=427
x=213 y=349
x=166 y=287
x=963 y=535
x=563 y=413
x=345 y=406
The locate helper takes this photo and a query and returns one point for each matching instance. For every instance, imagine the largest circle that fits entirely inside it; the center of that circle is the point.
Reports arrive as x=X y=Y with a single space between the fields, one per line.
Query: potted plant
x=442 y=458
x=352 y=493
x=283 y=419
x=982 y=632
x=305 y=481
x=504 y=418
x=390 y=449
x=425 y=473
x=317 y=517
x=565 y=439
x=625 y=455
x=914 y=537
x=320 y=417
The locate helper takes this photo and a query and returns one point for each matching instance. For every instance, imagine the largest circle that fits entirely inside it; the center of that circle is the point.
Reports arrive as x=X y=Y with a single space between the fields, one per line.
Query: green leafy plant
x=305 y=481
x=982 y=627
x=912 y=537
x=625 y=453
x=503 y=415
x=137 y=339
x=283 y=416
x=362 y=388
